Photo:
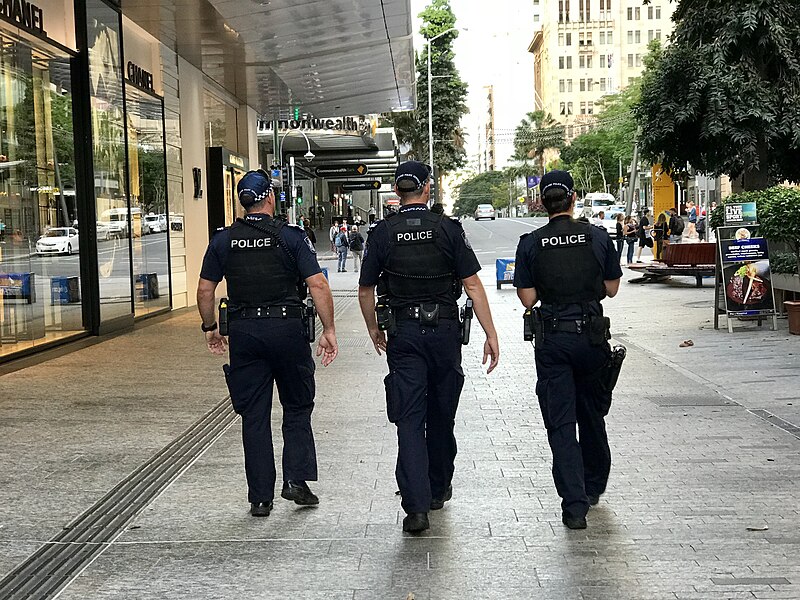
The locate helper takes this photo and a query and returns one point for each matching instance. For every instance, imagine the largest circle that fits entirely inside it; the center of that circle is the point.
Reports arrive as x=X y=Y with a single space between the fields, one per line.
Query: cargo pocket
x=392 y=409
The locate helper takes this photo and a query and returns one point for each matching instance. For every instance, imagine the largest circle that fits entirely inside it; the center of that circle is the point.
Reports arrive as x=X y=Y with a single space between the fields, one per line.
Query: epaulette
x=296 y=226
x=217 y=230
x=524 y=235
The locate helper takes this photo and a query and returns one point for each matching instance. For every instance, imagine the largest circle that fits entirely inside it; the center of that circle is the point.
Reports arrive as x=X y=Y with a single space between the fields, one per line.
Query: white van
x=118 y=221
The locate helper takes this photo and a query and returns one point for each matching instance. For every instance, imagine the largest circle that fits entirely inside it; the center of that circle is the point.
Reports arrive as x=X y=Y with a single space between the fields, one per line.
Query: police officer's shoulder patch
x=310 y=245
x=295 y=226
x=466 y=239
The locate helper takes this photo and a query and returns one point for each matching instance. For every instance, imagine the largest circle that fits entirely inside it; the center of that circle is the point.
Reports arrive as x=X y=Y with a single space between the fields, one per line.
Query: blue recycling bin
x=149 y=289
x=64 y=290
x=18 y=286
x=505 y=271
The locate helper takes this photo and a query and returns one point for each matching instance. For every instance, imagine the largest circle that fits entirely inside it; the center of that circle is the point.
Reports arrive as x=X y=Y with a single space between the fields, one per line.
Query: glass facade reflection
x=116 y=220
x=40 y=286
x=148 y=195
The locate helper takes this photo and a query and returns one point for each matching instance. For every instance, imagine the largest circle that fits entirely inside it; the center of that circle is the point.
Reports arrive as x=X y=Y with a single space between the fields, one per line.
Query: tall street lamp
x=309 y=156
x=430 y=96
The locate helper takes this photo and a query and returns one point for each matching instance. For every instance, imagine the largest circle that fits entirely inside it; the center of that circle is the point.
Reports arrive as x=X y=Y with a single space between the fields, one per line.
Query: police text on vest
x=564 y=240
x=257 y=243
x=414 y=236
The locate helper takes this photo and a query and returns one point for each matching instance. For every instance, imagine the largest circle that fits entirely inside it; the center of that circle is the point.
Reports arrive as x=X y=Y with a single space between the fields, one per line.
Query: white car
x=484 y=211
x=58 y=240
x=153 y=224
x=610 y=218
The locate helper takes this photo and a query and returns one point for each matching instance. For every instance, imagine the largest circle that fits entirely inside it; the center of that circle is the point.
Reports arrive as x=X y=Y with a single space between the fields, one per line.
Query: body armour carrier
x=565 y=268
x=257 y=271
x=417 y=269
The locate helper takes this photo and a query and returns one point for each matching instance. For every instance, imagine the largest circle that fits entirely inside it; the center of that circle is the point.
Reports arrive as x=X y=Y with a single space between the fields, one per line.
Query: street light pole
x=430 y=97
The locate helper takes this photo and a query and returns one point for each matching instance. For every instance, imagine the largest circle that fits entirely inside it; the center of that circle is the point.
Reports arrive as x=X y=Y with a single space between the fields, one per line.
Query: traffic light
x=299 y=194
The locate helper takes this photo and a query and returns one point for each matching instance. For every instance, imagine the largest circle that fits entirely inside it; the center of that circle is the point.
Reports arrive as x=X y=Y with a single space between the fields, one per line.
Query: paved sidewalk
x=694 y=471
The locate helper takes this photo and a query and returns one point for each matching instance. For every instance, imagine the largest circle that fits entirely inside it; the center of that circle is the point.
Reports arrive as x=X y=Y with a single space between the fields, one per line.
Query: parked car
x=153 y=223
x=58 y=240
x=484 y=211
x=104 y=231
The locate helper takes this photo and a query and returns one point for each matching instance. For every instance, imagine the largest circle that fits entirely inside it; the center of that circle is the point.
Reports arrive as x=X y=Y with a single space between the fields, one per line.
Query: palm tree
x=537 y=132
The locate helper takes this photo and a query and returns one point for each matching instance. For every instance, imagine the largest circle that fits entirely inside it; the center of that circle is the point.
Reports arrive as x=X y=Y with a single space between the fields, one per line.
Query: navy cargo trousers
x=567 y=366
x=264 y=352
x=422 y=392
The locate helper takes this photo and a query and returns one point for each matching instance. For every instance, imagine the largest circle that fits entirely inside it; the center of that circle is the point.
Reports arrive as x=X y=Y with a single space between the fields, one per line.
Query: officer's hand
x=491 y=349
x=215 y=342
x=328 y=349
x=378 y=338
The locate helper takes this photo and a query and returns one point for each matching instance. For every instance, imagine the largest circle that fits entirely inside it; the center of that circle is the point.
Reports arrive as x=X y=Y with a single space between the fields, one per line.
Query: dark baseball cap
x=557 y=179
x=411 y=176
x=253 y=187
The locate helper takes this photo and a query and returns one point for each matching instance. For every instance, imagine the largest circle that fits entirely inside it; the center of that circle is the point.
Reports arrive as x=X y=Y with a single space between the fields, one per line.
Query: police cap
x=557 y=179
x=253 y=187
x=411 y=176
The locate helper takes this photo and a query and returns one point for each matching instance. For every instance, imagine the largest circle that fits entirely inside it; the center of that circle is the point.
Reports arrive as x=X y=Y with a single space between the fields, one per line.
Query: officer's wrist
x=208 y=328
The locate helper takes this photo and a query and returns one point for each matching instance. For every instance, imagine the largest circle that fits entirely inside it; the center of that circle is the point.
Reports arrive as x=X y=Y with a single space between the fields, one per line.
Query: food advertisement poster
x=744 y=213
x=746 y=275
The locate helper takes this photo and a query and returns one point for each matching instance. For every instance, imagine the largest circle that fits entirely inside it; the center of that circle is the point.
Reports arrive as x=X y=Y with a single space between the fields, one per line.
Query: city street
x=702 y=500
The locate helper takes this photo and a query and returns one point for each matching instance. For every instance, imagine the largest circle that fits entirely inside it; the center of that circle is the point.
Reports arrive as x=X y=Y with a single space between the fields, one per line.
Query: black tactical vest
x=257 y=269
x=565 y=268
x=417 y=269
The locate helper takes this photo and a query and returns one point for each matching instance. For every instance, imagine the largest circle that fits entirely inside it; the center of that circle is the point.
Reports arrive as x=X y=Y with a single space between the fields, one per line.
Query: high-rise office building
x=585 y=49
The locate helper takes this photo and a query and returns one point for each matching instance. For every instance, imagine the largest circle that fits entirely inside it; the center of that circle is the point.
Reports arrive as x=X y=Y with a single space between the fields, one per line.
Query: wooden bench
x=698 y=260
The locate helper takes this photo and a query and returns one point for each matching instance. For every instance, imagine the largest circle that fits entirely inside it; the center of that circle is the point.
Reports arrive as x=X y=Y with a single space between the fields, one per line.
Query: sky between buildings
x=493 y=51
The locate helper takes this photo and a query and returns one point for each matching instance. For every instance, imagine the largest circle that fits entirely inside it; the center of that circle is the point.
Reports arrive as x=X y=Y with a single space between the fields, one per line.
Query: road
x=499 y=238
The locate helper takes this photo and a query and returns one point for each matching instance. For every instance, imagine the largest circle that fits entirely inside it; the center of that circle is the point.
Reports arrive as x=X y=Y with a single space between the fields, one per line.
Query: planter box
x=782 y=281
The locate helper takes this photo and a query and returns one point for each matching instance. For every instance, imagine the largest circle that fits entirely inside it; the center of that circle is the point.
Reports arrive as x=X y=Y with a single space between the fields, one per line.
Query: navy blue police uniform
x=263 y=260
x=417 y=259
x=567 y=262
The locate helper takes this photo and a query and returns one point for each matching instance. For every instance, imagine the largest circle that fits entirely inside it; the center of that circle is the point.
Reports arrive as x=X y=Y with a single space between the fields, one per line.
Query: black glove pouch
x=599 y=330
x=429 y=314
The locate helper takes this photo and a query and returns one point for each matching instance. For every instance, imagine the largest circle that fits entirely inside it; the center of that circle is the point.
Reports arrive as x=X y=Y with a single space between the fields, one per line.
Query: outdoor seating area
x=687 y=260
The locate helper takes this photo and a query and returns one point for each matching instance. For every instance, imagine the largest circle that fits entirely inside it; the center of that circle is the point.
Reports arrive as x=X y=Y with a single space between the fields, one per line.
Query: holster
x=223 y=316
x=310 y=320
x=385 y=317
x=599 y=330
x=466 y=321
x=609 y=377
x=536 y=326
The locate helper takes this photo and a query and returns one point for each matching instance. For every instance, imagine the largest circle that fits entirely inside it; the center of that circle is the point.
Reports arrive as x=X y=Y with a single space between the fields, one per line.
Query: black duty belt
x=266 y=312
x=413 y=313
x=570 y=326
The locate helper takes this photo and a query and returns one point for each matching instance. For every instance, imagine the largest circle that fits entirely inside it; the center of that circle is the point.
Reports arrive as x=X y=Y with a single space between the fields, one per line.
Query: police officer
x=267 y=264
x=570 y=267
x=418 y=261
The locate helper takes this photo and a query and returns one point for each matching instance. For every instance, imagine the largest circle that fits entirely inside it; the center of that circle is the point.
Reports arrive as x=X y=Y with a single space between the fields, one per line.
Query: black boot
x=299 y=492
x=416 y=522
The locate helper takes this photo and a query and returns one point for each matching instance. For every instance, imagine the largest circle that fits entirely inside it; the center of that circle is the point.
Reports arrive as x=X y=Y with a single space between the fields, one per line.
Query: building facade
x=586 y=49
x=124 y=128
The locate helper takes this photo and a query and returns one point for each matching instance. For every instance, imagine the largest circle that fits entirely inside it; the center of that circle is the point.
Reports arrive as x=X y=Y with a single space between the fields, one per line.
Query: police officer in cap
x=570 y=267
x=267 y=265
x=418 y=260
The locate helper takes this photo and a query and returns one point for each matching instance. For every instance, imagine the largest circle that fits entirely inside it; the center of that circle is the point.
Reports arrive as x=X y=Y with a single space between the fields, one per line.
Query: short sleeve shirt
x=294 y=240
x=456 y=247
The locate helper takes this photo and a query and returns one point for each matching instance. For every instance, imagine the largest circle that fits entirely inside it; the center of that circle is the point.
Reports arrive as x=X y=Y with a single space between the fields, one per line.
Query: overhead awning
x=319 y=56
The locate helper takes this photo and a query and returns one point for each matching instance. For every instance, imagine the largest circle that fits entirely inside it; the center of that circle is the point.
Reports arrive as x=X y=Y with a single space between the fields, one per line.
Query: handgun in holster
x=599 y=330
x=533 y=327
x=385 y=316
x=466 y=321
x=310 y=320
x=613 y=368
x=223 y=316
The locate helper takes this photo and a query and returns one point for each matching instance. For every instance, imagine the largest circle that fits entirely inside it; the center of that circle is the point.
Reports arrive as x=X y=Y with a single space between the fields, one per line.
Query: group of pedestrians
x=345 y=240
x=418 y=265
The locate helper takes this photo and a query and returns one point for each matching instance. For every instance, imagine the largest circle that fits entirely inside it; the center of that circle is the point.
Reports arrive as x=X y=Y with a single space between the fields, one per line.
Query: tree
x=537 y=132
x=480 y=189
x=448 y=91
x=724 y=95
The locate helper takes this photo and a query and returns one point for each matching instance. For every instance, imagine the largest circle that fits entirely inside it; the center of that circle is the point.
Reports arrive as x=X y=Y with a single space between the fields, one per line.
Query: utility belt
x=307 y=313
x=426 y=314
x=536 y=327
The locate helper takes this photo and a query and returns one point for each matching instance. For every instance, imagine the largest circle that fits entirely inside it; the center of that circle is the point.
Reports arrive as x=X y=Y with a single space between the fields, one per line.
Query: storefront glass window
x=40 y=287
x=115 y=219
x=148 y=201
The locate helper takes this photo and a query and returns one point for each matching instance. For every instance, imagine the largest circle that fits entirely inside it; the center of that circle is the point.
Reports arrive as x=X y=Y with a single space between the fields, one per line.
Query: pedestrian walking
x=645 y=241
x=631 y=235
x=620 y=234
x=269 y=266
x=691 y=209
x=332 y=233
x=371 y=214
x=702 y=226
x=570 y=267
x=341 y=244
x=676 y=227
x=355 y=242
x=660 y=238
x=419 y=261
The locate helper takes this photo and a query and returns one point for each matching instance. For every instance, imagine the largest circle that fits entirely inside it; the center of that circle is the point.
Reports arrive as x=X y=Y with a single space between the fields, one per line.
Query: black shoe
x=593 y=499
x=573 y=522
x=299 y=492
x=416 y=522
x=260 y=509
x=438 y=503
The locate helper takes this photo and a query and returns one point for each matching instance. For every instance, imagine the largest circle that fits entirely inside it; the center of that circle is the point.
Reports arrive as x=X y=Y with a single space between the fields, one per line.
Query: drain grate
x=691 y=401
x=55 y=564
